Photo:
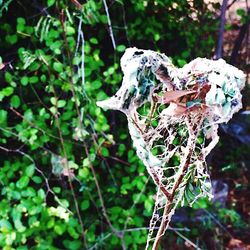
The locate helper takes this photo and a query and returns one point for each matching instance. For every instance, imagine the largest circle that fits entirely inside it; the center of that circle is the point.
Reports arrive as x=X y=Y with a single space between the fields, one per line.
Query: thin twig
x=187 y=240
x=68 y=169
x=218 y=222
x=104 y=211
x=109 y=24
x=49 y=190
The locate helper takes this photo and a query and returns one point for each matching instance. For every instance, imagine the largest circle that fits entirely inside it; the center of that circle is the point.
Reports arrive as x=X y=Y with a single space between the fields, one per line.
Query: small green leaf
x=96 y=84
x=70 y=31
x=24 y=80
x=200 y=139
x=121 y=48
x=241 y=12
x=8 y=77
x=58 y=67
x=28 y=115
x=20 y=24
x=59 y=229
x=20 y=20
x=3 y=116
x=33 y=79
x=51 y=2
x=53 y=110
x=85 y=205
x=43 y=78
x=86 y=162
x=41 y=194
x=22 y=182
x=7 y=91
x=61 y=103
x=12 y=39
x=84 y=172
x=93 y=40
x=37 y=179
x=72 y=232
x=157 y=37
x=181 y=62
x=29 y=171
x=73 y=165
x=53 y=100
x=5 y=225
x=15 y=101
x=105 y=152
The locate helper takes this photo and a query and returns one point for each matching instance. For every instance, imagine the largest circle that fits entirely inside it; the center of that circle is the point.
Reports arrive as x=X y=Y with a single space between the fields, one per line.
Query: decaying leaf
x=173 y=136
x=170 y=96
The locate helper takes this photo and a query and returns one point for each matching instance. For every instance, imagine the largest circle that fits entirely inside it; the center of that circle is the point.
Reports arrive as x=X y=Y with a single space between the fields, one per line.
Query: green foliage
x=49 y=119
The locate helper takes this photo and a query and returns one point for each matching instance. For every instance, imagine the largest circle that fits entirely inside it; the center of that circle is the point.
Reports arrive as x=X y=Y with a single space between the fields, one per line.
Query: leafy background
x=69 y=176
